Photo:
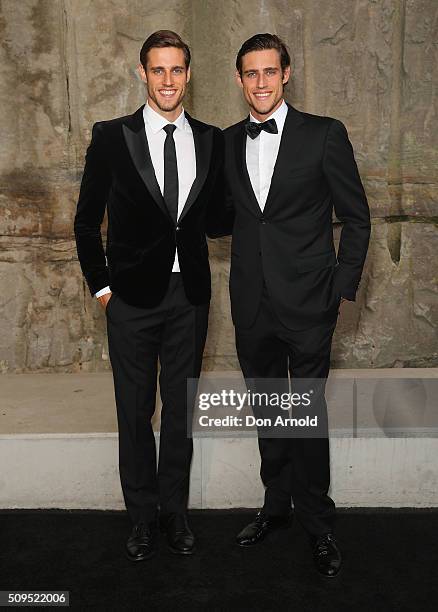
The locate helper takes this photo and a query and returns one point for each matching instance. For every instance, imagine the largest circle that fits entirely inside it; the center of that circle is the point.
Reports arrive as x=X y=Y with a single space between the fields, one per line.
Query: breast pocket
x=304 y=172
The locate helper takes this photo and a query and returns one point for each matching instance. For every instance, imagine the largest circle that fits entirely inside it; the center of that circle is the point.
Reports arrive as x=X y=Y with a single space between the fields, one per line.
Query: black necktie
x=170 y=172
x=253 y=129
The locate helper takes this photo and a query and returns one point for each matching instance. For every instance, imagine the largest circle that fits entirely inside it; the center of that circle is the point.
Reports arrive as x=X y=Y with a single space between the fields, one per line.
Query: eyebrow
x=163 y=67
x=264 y=69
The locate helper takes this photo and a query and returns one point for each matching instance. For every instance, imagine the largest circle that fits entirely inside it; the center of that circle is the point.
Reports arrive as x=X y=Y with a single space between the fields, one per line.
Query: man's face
x=166 y=78
x=262 y=81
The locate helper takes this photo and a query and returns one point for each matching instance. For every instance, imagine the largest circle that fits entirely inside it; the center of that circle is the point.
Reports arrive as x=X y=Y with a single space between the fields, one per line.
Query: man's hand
x=104 y=299
x=343 y=301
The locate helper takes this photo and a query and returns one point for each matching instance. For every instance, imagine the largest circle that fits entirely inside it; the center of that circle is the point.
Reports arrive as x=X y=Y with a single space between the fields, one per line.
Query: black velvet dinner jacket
x=289 y=246
x=142 y=237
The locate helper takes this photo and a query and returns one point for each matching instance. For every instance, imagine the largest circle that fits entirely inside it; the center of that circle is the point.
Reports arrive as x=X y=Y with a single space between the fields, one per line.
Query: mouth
x=167 y=93
x=262 y=95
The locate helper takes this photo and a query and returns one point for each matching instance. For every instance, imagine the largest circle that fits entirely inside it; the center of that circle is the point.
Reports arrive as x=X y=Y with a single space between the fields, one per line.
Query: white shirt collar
x=156 y=122
x=279 y=116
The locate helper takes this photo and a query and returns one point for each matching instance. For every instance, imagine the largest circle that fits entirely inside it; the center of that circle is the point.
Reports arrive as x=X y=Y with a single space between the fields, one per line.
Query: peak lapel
x=136 y=141
x=242 y=169
x=203 y=140
x=290 y=145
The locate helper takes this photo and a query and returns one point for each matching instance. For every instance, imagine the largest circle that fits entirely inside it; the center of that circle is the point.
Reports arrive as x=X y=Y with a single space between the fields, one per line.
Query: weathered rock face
x=67 y=64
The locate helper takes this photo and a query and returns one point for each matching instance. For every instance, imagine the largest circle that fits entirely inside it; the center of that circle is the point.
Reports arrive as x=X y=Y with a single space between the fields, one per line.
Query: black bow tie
x=253 y=129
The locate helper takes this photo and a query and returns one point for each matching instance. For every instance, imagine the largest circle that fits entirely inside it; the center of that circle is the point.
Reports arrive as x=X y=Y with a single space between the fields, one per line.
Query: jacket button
x=262 y=221
x=177 y=228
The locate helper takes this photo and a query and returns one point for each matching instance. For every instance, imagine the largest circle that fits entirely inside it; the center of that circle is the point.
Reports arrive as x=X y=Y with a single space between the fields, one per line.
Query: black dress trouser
x=292 y=468
x=172 y=333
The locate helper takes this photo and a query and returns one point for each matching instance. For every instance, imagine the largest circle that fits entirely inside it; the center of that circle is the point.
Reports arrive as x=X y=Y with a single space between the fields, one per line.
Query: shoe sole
x=334 y=575
x=267 y=534
x=175 y=551
x=140 y=559
x=184 y=553
x=324 y=576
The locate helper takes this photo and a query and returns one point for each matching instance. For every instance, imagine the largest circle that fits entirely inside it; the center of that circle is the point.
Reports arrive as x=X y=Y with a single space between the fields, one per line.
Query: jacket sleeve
x=95 y=186
x=351 y=208
x=220 y=212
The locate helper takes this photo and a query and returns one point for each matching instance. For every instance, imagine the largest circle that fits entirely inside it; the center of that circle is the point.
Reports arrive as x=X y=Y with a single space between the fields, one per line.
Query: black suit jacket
x=142 y=237
x=290 y=245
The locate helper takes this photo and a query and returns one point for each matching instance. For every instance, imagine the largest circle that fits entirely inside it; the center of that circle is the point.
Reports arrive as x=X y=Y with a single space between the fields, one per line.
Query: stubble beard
x=268 y=111
x=261 y=111
x=167 y=108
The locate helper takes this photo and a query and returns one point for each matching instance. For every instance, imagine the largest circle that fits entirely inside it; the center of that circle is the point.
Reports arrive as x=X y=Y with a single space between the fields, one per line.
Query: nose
x=167 y=79
x=261 y=81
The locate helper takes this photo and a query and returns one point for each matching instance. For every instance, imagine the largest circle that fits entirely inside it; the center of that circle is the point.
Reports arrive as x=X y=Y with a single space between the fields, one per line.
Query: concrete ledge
x=58 y=449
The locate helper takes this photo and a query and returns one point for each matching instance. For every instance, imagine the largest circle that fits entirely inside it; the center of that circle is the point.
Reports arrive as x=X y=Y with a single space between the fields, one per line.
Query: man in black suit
x=156 y=174
x=286 y=171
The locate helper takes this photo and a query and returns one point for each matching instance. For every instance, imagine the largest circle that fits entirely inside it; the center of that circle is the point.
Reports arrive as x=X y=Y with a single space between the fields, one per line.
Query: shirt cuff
x=102 y=292
x=349 y=295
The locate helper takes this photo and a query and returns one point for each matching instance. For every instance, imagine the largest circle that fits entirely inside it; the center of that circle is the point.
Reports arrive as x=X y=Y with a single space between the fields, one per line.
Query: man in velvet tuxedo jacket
x=156 y=173
x=286 y=171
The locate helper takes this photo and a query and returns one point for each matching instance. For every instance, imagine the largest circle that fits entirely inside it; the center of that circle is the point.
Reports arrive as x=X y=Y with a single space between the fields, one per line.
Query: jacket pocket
x=316 y=262
x=305 y=171
x=110 y=303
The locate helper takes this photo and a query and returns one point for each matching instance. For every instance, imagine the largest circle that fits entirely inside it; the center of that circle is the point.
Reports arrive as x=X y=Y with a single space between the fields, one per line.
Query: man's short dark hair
x=259 y=42
x=164 y=38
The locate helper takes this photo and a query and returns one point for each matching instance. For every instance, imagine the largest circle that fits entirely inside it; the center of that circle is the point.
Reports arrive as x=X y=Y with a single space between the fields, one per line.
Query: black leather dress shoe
x=327 y=556
x=142 y=543
x=180 y=538
x=262 y=525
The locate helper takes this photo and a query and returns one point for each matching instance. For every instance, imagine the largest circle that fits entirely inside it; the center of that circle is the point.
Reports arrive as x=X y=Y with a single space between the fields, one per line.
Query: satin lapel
x=290 y=145
x=136 y=141
x=203 y=139
x=242 y=169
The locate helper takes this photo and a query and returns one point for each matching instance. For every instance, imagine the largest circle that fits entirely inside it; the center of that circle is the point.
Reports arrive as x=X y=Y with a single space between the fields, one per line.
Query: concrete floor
x=57 y=403
x=84 y=403
x=59 y=445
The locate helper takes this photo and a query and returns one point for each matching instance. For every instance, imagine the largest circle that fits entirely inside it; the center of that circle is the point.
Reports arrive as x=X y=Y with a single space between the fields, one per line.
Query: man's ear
x=238 y=78
x=142 y=73
x=286 y=74
x=189 y=74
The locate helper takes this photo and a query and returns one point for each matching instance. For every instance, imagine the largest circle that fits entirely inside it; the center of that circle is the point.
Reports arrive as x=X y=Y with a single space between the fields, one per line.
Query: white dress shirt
x=261 y=155
x=185 y=158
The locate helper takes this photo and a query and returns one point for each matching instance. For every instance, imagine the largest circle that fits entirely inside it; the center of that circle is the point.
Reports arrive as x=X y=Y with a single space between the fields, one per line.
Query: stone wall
x=65 y=64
